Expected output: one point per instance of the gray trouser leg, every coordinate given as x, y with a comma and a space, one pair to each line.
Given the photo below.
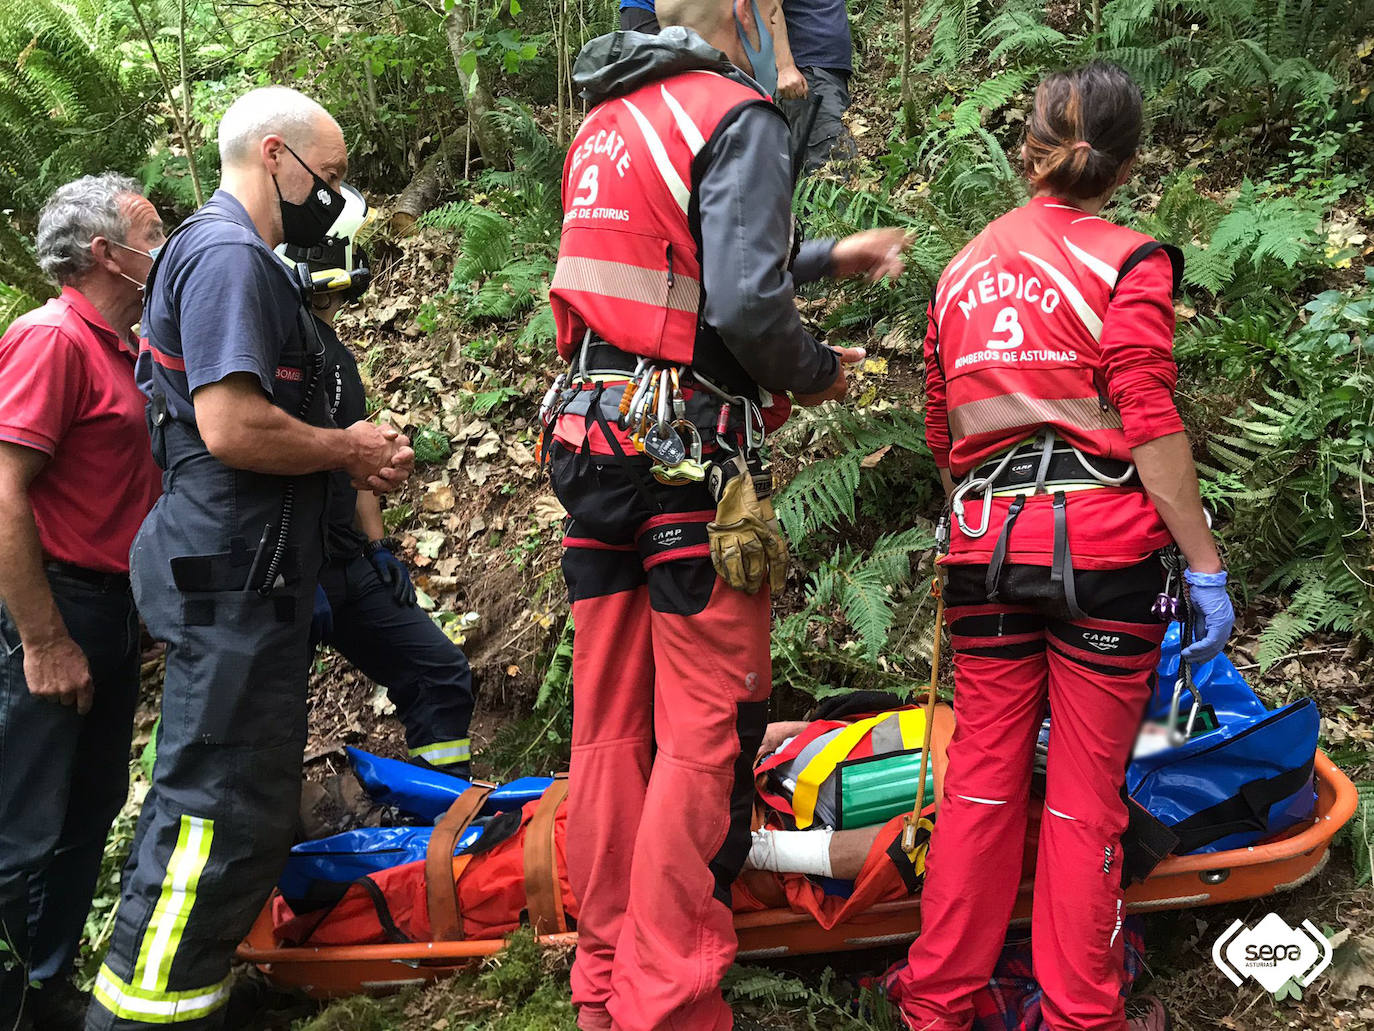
829, 139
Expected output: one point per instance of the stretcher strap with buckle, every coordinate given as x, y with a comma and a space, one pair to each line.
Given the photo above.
543, 890
442, 870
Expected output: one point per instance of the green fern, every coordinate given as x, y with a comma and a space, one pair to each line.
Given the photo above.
955, 35
1280, 228
556, 687
1290, 468
757, 985
1359, 833
1315, 605
823, 493
860, 584
991, 94
508, 242
62, 67
1019, 31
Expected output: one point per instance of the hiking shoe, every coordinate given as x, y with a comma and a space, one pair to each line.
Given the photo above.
1155, 1018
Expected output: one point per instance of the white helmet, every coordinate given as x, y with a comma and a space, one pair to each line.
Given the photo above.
336, 263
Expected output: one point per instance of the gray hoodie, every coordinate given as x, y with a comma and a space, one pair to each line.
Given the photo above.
743, 202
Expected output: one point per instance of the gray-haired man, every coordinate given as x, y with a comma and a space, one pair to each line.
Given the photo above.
224, 568
76, 480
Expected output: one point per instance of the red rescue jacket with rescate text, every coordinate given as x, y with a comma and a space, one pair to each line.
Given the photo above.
629, 266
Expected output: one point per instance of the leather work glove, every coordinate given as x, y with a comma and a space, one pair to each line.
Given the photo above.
322, 619
394, 574
1213, 615
746, 541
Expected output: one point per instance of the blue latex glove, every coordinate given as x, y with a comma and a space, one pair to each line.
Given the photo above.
322, 620
1213, 615
393, 572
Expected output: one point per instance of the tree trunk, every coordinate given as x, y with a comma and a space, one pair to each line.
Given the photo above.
425, 188
491, 143
908, 104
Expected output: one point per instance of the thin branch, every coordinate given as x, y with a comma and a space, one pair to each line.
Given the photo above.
172, 101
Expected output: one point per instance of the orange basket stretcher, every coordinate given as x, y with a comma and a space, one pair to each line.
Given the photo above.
1179, 882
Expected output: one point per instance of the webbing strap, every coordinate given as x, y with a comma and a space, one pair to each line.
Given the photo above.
823, 764
1061, 568
543, 891
442, 870
999, 553
1246, 810
1046, 454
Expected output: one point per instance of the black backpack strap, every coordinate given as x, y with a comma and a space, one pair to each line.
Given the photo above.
1146, 843
1246, 810
1144, 251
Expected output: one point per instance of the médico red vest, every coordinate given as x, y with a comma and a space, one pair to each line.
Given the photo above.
1019, 315
628, 265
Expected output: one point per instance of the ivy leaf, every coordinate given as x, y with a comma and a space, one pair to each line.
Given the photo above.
1288, 990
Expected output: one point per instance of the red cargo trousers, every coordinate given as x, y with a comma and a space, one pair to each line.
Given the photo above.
1097, 674
671, 676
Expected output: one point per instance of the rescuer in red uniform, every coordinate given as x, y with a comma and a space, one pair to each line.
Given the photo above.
673, 298
1050, 413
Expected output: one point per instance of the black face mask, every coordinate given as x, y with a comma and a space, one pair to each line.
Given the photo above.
305, 225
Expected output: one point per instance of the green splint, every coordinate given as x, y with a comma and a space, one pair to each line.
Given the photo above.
871, 791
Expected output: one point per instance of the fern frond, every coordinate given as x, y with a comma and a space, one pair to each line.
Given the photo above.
988, 95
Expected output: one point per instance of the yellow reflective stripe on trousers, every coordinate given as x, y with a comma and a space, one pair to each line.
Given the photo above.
823, 764
130, 1003
442, 753
162, 936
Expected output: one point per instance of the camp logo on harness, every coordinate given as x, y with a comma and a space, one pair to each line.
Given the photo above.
1272, 953
1102, 642
667, 537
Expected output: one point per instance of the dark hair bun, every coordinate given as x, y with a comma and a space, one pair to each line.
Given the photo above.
1084, 126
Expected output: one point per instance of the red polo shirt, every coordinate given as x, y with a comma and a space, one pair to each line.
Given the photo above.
67, 389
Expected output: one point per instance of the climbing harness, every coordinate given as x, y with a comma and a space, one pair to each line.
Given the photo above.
1035, 467
648, 401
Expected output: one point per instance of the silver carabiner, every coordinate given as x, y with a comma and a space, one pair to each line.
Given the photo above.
665, 402
581, 375
644, 376
956, 506
1176, 736
754, 429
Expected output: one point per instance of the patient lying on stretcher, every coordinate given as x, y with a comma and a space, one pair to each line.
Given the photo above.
493, 876
826, 850
831, 799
